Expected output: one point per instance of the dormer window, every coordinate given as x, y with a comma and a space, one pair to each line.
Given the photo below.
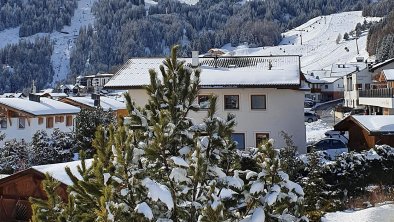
3, 123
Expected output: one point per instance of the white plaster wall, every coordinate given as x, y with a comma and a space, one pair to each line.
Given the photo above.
380, 102
14, 132
285, 112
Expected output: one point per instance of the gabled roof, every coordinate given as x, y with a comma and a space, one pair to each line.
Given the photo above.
58, 171
376, 66
46, 106
388, 74
243, 71
105, 102
374, 124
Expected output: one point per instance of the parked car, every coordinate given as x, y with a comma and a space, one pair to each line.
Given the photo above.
355, 112
341, 135
308, 103
333, 147
311, 117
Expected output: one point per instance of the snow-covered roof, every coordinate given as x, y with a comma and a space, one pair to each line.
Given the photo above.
331, 79
105, 102
375, 123
58, 172
52, 94
225, 71
100, 75
389, 74
378, 65
46, 106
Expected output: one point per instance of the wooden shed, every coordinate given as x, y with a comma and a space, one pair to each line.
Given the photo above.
367, 131
15, 191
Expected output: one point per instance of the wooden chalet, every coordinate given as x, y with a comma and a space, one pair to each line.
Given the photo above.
15, 191
367, 131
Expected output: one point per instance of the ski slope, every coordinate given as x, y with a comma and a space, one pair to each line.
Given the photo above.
319, 49
63, 41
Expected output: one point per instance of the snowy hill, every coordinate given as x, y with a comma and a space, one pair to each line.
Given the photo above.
63, 41
319, 48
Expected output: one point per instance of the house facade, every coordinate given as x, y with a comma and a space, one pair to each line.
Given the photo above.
22, 118
372, 88
263, 92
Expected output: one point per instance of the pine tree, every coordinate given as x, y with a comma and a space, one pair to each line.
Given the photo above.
87, 122
346, 36
49, 209
42, 152
315, 188
270, 194
14, 156
63, 145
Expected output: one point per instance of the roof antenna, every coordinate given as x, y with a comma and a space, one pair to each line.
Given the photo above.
33, 88
269, 65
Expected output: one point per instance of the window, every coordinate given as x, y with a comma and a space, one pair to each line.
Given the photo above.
3, 123
22, 123
50, 122
40, 120
367, 86
239, 138
59, 119
258, 102
337, 144
359, 86
69, 120
231, 102
326, 86
261, 138
203, 101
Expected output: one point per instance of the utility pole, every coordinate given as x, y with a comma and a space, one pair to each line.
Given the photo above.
358, 52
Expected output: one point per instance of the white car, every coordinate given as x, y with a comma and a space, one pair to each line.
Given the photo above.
333, 147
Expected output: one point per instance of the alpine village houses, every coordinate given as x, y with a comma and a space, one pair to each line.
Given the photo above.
264, 92
22, 118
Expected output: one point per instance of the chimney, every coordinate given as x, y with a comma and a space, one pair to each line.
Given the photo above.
96, 99
33, 88
195, 60
34, 98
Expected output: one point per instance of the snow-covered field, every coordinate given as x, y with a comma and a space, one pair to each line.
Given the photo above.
383, 213
319, 49
63, 41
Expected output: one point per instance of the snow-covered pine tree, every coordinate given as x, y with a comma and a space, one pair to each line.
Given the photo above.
41, 150
269, 194
63, 145
315, 188
14, 156
87, 122
290, 162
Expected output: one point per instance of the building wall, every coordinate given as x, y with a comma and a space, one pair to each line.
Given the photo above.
351, 90
285, 112
14, 132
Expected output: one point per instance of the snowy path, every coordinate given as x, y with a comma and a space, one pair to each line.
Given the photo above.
319, 49
383, 213
63, 41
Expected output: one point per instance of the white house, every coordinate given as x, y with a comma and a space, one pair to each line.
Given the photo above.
329, 84
264, 93
22, 118
94, 82
371, 88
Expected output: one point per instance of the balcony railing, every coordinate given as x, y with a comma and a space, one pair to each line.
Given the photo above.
377, 93
315, 90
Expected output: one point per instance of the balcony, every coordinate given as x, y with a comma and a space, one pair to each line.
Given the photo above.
377, 93
377, 97
315, 90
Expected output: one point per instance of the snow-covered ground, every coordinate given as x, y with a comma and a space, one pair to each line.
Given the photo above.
319, 49
315, 130
63, 41
383, 213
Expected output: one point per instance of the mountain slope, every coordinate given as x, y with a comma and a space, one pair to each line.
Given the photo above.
319, 48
